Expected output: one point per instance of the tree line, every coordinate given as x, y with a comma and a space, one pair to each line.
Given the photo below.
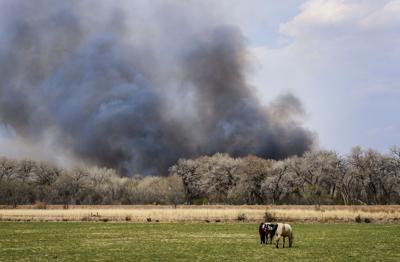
316, 177
29, 182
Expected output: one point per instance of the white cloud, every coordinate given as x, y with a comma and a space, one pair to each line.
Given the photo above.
342, 60
340, 17
318, 15
386, 17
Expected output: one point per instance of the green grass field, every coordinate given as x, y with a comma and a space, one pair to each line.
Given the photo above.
84, 241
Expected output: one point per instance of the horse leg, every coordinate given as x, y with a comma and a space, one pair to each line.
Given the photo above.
290, 241
262, 238
284, 242
277, 241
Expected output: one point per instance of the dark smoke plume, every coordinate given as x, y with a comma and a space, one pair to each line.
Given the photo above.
135, 85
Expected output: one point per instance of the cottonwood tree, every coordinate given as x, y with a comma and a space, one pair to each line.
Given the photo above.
43, 177
191, 174
175, 192
277, 183
319, 172
220, 171
376, 176
247, 187
7, 169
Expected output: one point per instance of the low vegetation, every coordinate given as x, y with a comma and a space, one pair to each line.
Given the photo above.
187, 242
210, 213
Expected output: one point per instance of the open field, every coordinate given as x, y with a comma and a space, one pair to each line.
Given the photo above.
209, 213
88, 241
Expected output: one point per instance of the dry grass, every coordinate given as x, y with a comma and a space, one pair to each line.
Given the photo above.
211, 213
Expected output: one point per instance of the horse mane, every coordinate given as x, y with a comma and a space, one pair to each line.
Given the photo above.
274, 228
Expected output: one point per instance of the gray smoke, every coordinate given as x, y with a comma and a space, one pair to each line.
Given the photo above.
136, 85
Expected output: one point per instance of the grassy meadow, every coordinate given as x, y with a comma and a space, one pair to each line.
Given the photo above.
99, 241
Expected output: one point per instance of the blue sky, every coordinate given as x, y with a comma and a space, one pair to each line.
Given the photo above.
341, 58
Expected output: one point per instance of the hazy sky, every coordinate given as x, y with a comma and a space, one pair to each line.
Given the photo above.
341, 58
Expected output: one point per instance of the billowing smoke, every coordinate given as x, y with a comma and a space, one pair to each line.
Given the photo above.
136, 85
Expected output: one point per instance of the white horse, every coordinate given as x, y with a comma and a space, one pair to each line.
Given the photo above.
281, 230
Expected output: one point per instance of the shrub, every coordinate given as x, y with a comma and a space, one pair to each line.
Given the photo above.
269, 216
358, 219
201, 201
128, 218
40, 205
319, 208
148, 219
241, 217
86, 218
367, 220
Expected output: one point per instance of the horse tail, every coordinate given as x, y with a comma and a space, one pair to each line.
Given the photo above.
291, 238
